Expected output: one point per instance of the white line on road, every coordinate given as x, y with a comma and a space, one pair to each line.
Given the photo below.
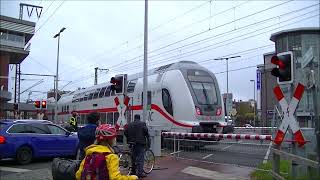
205, 173
229, 146
10, 169
266, 157
209, 155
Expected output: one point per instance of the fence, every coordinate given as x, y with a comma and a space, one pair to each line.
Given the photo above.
238, 149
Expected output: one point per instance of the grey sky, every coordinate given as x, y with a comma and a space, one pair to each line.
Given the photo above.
109, 34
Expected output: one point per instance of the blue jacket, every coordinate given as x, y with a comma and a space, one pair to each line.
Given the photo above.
86, 137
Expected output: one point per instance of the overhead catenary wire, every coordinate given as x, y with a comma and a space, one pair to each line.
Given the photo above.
126, 63
152, 29
200, 50
238, 52
294, 22
197, 34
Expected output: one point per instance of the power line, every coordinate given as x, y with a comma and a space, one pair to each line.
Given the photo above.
50, 16
197, 34
200, 50
153, 29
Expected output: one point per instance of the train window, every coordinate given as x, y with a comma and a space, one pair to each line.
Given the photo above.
110, 118
102, 92
107, 93
103, 118
67, 108
81, 99
86, 96
166, 100
96, 93
90, 96
115, 117
205, 93
131, 86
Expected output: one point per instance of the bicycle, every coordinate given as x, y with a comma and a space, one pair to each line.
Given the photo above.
125, 157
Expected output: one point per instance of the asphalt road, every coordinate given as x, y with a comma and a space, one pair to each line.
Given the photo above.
243, 153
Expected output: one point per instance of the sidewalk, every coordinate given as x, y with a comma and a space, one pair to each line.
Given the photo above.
166, 168
171, 168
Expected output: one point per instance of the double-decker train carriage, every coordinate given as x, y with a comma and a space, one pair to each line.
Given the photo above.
182, 96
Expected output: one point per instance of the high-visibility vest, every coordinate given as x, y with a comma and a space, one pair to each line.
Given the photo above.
72, 121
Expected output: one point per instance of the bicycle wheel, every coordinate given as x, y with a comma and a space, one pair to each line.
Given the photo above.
125, 163
149, 161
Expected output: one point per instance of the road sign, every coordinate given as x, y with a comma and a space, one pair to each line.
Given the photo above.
288, 118
258, 80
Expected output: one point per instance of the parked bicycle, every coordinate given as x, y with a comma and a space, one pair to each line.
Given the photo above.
126, 160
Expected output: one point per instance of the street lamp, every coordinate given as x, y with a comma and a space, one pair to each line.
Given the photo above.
254, 101
227, 62
57, 77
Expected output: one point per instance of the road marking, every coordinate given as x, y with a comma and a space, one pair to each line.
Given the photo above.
204, 173
10, 169
266, 157
209, 155
229, 146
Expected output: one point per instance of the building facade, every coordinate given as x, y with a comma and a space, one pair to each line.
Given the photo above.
268, 82
14, 36
305, 45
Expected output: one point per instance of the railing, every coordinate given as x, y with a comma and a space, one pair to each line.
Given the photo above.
296, 160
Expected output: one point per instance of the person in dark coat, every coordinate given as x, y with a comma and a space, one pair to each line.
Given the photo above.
86, 134
138, 135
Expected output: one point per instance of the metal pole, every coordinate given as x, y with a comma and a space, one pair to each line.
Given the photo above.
145, 62
56, 88
254, 103
227, 99
95, 75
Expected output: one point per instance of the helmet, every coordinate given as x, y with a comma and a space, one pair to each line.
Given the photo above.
105, 132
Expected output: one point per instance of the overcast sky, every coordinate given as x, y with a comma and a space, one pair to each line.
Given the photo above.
109, 34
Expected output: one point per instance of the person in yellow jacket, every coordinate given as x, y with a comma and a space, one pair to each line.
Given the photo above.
102, 151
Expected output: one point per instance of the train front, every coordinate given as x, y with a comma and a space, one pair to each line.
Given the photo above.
208, 103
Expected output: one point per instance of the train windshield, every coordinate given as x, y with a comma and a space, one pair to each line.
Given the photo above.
205, 93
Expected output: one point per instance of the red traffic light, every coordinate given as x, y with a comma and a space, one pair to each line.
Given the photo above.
275, 60
44, 104
37, 104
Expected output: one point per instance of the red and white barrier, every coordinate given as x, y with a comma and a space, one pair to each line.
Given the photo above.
255, 127
217, 136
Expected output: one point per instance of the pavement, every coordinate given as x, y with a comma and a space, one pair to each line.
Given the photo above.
166, 167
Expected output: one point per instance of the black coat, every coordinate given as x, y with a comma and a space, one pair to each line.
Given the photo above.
137, 132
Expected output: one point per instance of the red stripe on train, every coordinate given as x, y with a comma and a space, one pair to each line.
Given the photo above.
137, 107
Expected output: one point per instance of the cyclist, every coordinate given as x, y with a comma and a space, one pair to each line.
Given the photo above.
100, 161
138, 135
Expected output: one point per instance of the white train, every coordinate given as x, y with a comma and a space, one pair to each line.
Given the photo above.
183, 96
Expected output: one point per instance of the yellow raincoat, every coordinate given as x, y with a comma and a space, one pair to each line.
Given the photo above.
112, 162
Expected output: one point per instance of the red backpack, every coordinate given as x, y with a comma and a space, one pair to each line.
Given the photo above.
95, 168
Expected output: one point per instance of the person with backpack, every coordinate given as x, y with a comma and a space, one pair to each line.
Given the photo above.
100, 161
86, 134
138, 136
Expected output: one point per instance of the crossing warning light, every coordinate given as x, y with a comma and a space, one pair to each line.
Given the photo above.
44, 104
37, 104
118, 82
284, 69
